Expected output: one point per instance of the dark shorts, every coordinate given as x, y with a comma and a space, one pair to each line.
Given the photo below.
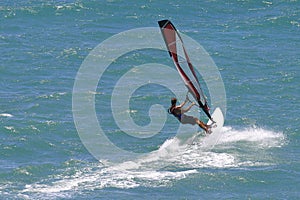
185, 119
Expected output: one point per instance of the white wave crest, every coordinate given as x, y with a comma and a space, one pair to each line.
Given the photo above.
5, 115
173, 161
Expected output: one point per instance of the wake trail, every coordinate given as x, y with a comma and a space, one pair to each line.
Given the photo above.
174, 160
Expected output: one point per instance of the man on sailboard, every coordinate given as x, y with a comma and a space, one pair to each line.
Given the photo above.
178, 112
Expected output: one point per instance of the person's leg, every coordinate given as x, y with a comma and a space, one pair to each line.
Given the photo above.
185, 119
203, 126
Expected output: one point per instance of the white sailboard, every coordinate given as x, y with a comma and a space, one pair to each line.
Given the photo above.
216, 129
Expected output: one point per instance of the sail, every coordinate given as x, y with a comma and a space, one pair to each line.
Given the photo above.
183, 64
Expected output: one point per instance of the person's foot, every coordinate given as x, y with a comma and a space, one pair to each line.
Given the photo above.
205, 127
208, 129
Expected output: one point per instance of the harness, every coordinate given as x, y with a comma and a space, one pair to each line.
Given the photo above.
171, 111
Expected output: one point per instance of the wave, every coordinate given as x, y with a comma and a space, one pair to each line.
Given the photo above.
258, 136
5, 115
173, 161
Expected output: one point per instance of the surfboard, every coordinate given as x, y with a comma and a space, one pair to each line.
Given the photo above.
211, 139
218, 117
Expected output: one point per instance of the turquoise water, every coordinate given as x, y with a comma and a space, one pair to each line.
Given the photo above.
255, 46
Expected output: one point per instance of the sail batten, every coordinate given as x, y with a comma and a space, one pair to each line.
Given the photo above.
185, 68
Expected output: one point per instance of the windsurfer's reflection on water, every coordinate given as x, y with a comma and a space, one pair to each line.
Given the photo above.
179, 113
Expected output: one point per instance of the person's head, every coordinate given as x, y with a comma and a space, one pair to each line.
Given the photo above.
173, 101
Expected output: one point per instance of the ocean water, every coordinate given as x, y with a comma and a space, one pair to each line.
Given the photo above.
254, 44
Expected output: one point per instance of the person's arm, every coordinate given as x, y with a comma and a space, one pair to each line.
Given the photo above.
188, 108
181, 105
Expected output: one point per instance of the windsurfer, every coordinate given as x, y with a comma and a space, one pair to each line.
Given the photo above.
178, 112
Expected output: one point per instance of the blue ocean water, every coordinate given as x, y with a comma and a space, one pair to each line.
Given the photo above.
255, 46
